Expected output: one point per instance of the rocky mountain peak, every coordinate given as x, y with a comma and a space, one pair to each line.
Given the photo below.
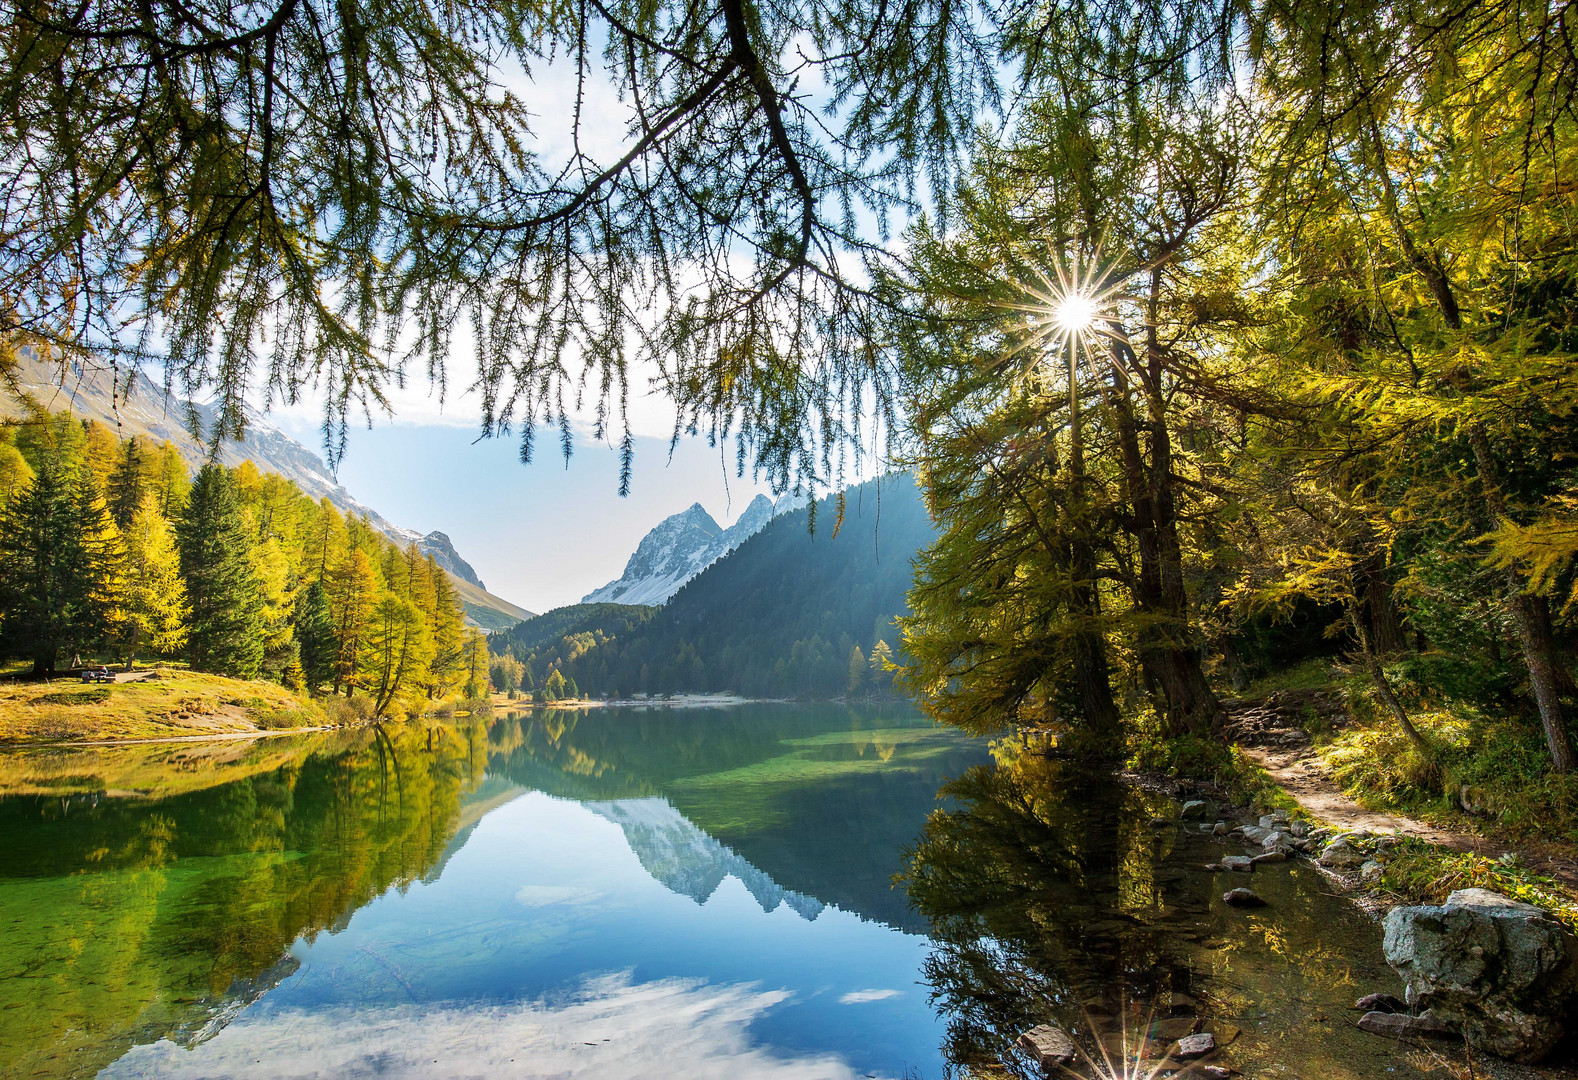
679, 548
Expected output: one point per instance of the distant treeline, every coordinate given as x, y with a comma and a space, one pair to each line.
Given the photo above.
792, 612
109, 548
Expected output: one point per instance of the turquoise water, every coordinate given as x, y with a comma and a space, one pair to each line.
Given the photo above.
641, 893
678, 893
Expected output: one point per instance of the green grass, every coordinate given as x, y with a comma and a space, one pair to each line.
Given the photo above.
172, 704
1198, 758
1312, 674
1423, 873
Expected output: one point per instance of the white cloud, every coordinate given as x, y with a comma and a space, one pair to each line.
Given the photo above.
679, 1028
861, 997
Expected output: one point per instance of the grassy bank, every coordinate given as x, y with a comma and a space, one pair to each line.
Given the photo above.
167, 703
1481, 775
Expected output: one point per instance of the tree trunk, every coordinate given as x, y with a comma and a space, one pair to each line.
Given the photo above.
1539, 651
1386, 626
1383, 685
1169, 658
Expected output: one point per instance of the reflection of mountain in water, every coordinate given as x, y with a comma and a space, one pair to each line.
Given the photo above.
819, 801
687, 861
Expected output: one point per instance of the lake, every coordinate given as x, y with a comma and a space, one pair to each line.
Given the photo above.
636, 893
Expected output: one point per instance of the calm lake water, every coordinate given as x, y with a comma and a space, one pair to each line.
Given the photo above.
634, 893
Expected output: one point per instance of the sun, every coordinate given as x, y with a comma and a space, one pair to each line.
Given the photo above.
1076, 312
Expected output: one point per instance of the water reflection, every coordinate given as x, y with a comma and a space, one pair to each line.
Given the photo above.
1052, 897
483, 886
125, 920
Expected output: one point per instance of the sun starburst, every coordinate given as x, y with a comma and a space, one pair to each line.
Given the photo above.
1066, 310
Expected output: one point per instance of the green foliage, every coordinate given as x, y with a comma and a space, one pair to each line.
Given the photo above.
225, 631
55, 568
1496, 765
1422, 873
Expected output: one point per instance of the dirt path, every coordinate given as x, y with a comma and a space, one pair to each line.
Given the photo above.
1269, 732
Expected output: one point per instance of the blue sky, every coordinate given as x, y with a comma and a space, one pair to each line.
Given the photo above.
540, 535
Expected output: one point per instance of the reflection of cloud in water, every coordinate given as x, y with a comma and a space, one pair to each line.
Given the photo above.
669, 1028
546, 895
861, 997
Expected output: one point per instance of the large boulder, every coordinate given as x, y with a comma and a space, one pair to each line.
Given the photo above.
1504, 973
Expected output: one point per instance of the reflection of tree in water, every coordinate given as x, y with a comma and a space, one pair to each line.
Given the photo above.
147, 914
1043, 895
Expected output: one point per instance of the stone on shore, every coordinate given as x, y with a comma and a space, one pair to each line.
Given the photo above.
1341, 855
1197, 810
1390, 1003
1403, 1026
1502, 972
1195, 1046
1242, 863
1270, 857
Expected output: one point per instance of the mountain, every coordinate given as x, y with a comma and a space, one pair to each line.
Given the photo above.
779, 616
133, 405
678, 549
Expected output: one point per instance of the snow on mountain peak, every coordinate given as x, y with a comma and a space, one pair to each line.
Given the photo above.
679, 548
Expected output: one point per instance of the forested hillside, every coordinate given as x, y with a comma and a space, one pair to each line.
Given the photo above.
109, 550
791, 612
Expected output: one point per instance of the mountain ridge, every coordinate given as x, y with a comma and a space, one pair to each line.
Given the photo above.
133, 405
675, 550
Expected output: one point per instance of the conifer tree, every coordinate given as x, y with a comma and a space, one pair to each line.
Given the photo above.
15, 472
476, 646
168, 478
127, 482
46, 572
224, 630
154, 610
396, 653
857, 669
315, 633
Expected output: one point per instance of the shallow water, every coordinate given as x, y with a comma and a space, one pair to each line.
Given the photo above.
685, 893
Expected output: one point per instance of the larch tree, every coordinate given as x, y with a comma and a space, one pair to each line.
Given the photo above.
396, 652
353, 591
154, 609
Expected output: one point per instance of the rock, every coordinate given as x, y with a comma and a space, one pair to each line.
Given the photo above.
1176, 1027
1213, 1072
1195, 1046
1242, 898
1220, 829
1049, 1045
1214, 868
1270, 857
1277, 841
1180, 1001
1299, 829
1370, 872
1403, 1026
1197, 809
1502, 972
1388, 1003
1241, 863
1340, 855
1254, 834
